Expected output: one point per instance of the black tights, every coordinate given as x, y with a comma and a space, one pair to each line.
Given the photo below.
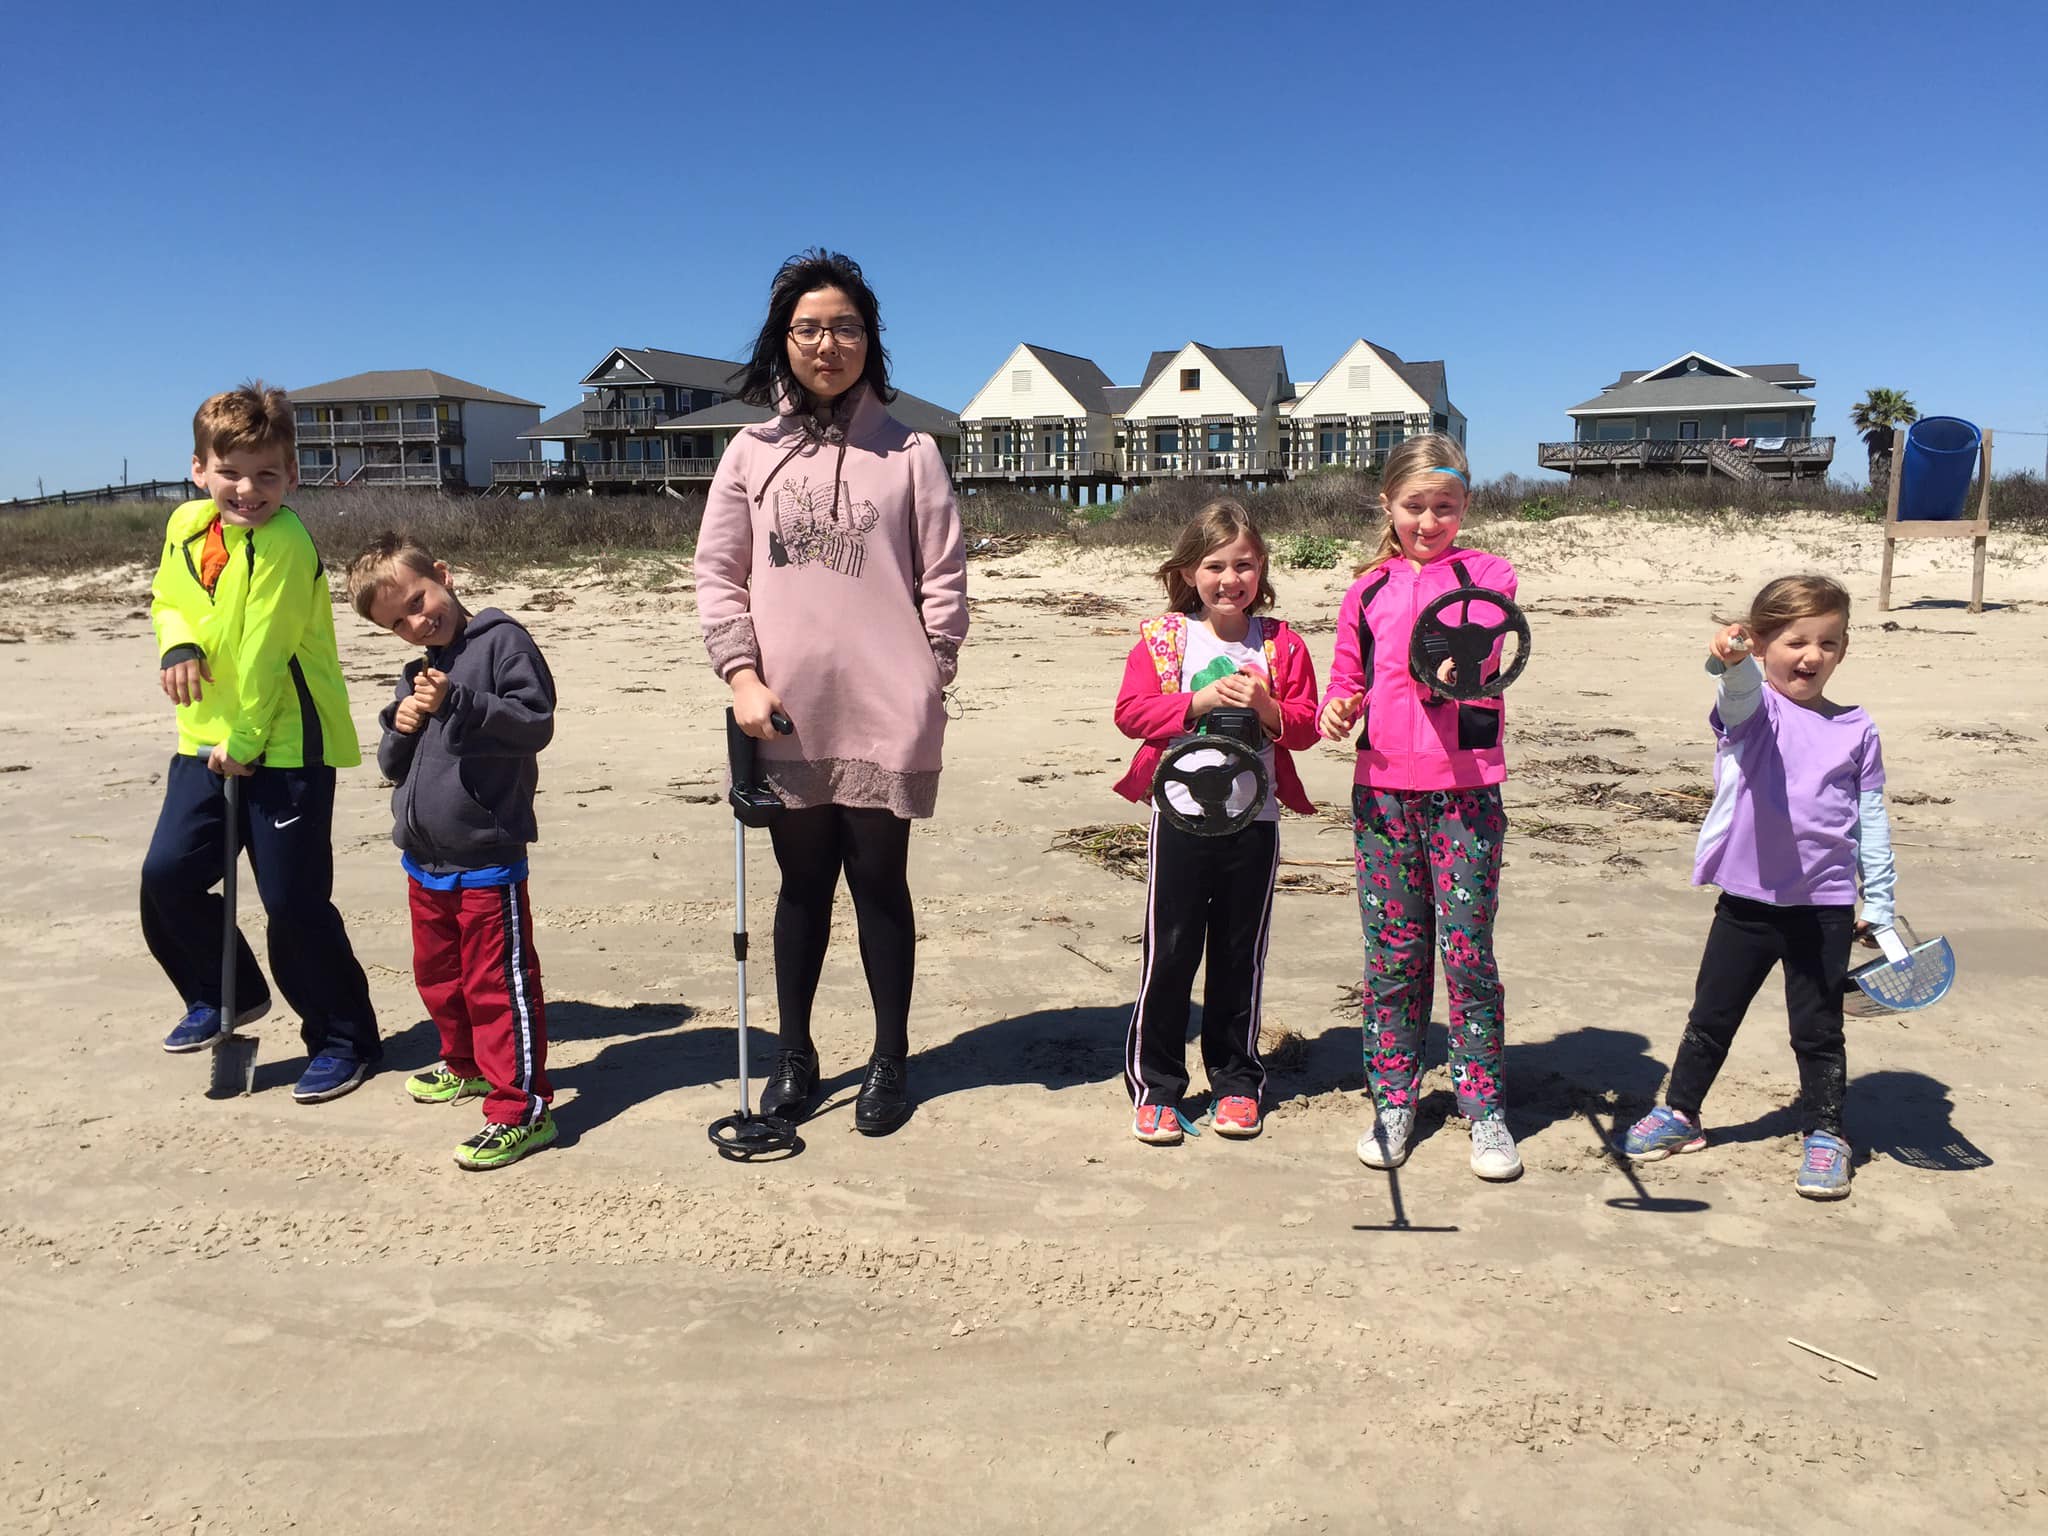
873, 846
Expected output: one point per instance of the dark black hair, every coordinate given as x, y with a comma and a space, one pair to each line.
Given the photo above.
766, 379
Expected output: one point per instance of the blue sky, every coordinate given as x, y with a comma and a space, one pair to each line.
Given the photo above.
1540, 195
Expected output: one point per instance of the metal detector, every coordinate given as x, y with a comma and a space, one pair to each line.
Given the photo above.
1207, 766
1467, 645
746, 1135
233, 1071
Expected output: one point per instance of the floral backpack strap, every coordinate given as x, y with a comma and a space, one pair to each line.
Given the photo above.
1167, 636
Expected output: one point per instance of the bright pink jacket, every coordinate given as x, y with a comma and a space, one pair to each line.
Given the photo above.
1151, 704
1409, 738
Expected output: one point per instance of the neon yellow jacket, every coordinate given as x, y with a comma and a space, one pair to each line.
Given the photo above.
267, 633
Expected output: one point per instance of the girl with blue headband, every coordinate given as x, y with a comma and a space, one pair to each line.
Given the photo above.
1426, 812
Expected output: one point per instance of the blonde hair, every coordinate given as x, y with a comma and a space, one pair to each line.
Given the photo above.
380, 561
254, 417
1413, 459
1791, 598
1220, 522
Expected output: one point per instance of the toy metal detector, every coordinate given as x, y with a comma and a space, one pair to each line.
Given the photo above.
1400, 1223
1911, 975
747, 1135
1209, 768
1467, 645
233, 1071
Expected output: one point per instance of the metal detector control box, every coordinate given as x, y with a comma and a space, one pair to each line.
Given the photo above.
754, 804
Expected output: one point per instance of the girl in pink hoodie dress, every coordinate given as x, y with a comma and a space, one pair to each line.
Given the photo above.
1426, 812
832, 589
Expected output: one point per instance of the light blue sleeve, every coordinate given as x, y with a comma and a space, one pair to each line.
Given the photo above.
1874, 858
1740, 691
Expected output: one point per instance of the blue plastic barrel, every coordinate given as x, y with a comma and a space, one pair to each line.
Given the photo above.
1941, 459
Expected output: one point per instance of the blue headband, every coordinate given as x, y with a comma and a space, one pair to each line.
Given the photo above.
1445, 469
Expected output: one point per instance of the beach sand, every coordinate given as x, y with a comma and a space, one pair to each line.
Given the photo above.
253, 1316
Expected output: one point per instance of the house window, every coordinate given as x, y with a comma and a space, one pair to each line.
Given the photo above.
1330, 445
1386, 436
1190, 379
1764, 426
423, 413
304, 415
1688, 431
1020, 381
1439, 423
1222, 439
1361, 375
1623, 431
316, 458
1166, 439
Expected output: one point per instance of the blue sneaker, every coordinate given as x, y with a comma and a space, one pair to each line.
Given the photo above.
1824, 1169
201, 1023
1663, 1132
328, 1076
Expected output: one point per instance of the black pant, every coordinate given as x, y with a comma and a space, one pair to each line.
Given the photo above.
873, 846
1747, 939
1213, 893
287, 817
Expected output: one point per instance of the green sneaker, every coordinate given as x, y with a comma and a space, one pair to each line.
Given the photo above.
497, 1145
440, 1086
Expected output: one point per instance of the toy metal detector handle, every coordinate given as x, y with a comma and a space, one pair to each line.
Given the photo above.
1229, 732
752, 801
1467, 646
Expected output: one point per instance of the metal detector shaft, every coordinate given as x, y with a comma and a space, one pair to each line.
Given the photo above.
739, 951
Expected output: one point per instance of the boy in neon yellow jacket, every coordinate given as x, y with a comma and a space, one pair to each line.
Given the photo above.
245, 644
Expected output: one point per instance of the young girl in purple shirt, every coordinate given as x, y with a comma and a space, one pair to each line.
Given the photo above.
1796, 833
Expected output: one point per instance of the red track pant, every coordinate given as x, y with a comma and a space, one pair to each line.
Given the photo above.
473, 960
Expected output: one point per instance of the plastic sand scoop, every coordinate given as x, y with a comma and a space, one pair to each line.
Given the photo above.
1909, 975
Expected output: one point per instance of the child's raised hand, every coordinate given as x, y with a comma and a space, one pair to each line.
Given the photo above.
181, 682
1729, 645
430, 687
1340, 715
412, 714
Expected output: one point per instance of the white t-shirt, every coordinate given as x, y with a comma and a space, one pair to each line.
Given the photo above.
1206, 659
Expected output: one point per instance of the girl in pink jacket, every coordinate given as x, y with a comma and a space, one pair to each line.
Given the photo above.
1426, 812
1215, 648
832, 589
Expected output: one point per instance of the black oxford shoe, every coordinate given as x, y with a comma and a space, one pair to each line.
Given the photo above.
789, 1092
882, 1104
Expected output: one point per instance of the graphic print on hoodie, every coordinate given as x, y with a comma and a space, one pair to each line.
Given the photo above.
822, 524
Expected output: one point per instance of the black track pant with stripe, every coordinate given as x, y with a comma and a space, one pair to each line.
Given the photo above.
1212, 894
287, 828
474, 963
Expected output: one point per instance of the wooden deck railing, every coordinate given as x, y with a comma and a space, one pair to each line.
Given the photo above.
987, 465
1663, 450
408, 430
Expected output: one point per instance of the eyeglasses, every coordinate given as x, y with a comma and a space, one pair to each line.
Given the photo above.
808, 333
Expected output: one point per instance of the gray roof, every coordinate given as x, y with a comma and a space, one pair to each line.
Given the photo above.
1790, 374
403, 384
1078, 376
1118, 397
1694, 391
918, 414
562, 428
684, 369
1251, 369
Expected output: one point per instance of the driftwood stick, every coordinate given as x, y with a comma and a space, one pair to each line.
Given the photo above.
1814, 1349
1090, 959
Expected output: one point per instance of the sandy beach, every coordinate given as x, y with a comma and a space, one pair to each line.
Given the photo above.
252, 1316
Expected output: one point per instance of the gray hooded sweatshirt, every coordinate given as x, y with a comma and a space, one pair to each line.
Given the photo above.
464, 782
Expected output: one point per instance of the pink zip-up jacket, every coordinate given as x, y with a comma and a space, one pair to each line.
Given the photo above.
836, 569
1151, 704
1410, 738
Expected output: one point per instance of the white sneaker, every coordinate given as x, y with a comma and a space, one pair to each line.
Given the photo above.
1493, 1151
1386, 1144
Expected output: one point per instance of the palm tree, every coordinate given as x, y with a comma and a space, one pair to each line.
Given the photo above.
1874, 416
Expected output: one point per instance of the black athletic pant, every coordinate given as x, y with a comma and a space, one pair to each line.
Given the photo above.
873, 847
287, 818
1747, 939
1213, 894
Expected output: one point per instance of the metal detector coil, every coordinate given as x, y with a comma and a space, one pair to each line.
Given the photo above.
754, 804
1468, 646
1209, 766
1910, 975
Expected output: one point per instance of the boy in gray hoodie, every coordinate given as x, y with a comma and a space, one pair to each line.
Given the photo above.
461, 738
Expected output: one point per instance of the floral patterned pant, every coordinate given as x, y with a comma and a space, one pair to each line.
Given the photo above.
1429, 867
